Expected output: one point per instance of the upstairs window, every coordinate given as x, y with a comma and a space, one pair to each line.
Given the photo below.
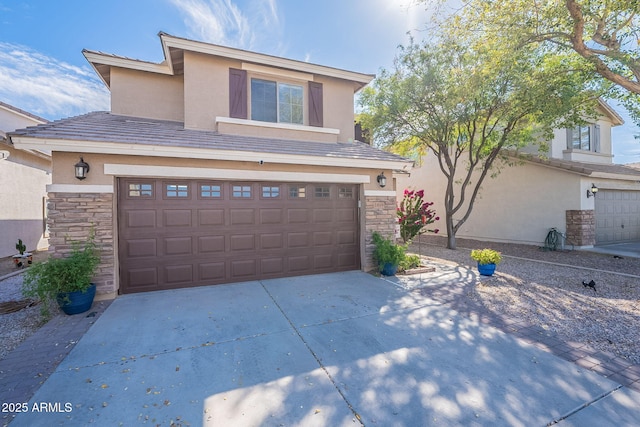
586, 138
276, 102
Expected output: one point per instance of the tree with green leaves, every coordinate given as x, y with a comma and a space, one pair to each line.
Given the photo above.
603, 36
471, 105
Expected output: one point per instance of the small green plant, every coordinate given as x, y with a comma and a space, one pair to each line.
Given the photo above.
387, 252
47, 279
410, 261
21, 247
486, 256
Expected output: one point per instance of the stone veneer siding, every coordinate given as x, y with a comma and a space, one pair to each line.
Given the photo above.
380, 216
581, 227
71, 217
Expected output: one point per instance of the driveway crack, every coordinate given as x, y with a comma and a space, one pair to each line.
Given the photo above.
315, 356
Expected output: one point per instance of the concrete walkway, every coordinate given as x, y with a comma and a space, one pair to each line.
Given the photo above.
327, 350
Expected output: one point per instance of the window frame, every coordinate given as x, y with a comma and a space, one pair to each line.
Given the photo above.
278, 83
592, 131
210, 190
242, 184
178, 184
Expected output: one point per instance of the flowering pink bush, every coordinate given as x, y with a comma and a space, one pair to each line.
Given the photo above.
414, 215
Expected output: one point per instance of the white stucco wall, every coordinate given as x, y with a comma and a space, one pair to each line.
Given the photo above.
520, 205
24, 177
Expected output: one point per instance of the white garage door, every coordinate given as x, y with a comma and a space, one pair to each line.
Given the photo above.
617, 216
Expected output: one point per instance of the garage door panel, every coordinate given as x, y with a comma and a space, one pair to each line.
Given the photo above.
271, 241
143, 277
177, 218
181, 273
242, 216
141, 248
298, 240
346, 215
298, 216
243, 242
223, 232
299, 263
207, 217
347, 260
178, 245
270, 216
271, 266
322, 215
323, 238
212, 271
323, 261
243, 268
209, 244
141, 219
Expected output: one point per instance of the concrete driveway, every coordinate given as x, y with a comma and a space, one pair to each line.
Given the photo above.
341, 349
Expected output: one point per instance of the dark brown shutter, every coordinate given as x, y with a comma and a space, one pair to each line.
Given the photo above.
315, 104
238, 94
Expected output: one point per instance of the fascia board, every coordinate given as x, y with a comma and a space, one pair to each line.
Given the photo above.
75, 146
117, 169
605, 175
116, 61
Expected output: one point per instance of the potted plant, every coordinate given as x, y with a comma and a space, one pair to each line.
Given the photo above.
66, 280
387, 254
487, 260
22, 258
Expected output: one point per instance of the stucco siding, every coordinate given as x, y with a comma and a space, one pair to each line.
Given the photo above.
520, 205
143, 94
22, 203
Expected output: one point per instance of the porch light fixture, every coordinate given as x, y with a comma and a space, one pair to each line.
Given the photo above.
591, 192
382, 180
82, 168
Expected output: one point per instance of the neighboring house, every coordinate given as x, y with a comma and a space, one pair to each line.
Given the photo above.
24, 176
217, 165
525, 201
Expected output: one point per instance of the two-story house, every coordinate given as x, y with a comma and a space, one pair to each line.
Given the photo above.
24, 175
554, 190
217, 165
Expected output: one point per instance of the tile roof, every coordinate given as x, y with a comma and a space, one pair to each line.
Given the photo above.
24, 113
585, 168
106, 127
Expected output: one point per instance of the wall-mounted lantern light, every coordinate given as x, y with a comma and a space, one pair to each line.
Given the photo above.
382, 180
591, 192
82, 168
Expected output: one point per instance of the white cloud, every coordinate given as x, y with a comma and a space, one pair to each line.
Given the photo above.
256, 27
47, 87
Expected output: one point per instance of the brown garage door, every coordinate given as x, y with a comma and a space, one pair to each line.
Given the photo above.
175, 233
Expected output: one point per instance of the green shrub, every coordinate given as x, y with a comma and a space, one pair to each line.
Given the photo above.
386, 251
410, 261
46, 279
486, 256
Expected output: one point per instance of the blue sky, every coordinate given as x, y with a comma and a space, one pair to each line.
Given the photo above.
42, 69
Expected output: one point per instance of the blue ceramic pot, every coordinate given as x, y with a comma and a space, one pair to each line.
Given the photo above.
486, 269
389, 269
77, 302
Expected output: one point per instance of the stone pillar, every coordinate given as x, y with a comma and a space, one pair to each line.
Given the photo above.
581, 227
71, 217
380, 216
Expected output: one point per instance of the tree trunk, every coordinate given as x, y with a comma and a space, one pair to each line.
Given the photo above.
451, 233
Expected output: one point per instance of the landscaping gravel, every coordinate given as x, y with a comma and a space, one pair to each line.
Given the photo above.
16, 327
544, 288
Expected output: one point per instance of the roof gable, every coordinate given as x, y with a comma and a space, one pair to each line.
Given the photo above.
174, 47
